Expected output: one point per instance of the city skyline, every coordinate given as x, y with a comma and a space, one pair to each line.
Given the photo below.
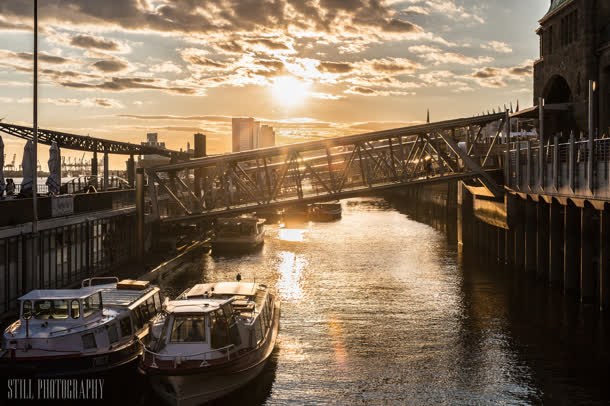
118, 70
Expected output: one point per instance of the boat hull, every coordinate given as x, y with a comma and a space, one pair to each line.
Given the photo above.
66, 365
209, 383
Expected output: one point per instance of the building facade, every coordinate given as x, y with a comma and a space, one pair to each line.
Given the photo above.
267, 137
249, 134
575, 48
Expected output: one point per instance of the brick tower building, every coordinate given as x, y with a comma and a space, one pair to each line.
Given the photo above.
575, 48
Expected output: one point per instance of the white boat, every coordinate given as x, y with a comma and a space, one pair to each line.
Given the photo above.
73, 331
238, 233
213, 339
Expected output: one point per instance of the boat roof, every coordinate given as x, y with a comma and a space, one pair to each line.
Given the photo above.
57, 294
111, 296
195, 305
224, 288
123, 297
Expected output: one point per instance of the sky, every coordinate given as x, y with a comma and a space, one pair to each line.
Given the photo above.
312, 69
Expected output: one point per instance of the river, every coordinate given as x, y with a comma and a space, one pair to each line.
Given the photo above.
378, 308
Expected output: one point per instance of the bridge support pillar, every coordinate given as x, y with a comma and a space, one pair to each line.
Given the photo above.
501, 244
519, 236
571, 249
94, 169
200, 152
131, 171
106, 171
530, 236
543, 239
140, 213
604, 260
556, 222
465, 217
588, 241
509, 252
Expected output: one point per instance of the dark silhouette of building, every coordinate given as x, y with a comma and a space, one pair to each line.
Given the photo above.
575, 48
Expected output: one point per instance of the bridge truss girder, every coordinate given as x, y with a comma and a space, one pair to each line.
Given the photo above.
86, 143
326, 170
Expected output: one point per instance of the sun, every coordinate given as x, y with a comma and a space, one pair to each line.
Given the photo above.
289, 91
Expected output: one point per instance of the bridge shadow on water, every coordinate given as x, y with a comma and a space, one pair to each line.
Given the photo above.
561, 348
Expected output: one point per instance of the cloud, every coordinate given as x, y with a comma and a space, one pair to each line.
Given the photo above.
118, 84
197, 57
91, 42
501, 47
166, 67
43, 57
89, 102
497, 77
335, 67
226, 119
438, 57
110, 65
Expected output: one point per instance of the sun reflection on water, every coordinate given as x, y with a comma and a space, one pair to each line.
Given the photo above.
291, 278
292, 234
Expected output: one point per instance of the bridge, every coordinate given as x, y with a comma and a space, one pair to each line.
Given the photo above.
92, 144
322, 170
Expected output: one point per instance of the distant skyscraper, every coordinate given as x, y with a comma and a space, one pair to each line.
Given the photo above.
248, 134
267, 136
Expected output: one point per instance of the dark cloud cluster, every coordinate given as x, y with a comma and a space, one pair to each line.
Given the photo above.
110, 65
216, 16
121, 84
90, 42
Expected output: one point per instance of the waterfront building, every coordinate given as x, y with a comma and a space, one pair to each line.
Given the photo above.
575, 48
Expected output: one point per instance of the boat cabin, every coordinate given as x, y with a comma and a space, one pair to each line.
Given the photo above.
238, 226
209, 321
65, 305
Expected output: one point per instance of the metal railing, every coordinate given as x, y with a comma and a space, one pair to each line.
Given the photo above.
177, 359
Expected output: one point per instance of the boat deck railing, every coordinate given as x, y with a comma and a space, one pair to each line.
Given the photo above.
177, 359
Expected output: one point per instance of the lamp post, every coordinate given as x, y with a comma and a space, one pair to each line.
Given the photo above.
35, 266
35, 125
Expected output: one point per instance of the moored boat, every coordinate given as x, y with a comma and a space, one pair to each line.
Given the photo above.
238, 234
213, 339
74, 331
325, 211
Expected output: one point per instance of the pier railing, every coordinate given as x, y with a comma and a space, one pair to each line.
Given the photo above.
578, 168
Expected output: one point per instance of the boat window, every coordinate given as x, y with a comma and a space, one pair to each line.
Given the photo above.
125, 326
27, 308
218, 332
150, 302
188, 329
137, 318
157, 302
229, 314
144, 312
92, 304
89, 341
51, 309
74, 309
113, 334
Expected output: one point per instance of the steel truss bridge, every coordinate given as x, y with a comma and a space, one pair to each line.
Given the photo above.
329, 169
86, 143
